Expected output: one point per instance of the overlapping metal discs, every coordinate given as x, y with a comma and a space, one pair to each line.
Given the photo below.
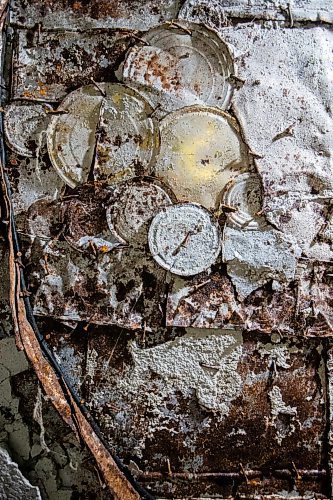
163, 144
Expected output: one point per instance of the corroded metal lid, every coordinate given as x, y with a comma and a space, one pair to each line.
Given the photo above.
43, 220
181, 64
200, 150
243, 194
83, 215
23, 125
133, 204
184, 239
105, 132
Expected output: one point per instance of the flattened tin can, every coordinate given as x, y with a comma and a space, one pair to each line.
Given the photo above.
184, 239
133, 204
180, 64
242, 197
24, 125
201, 150
104, 132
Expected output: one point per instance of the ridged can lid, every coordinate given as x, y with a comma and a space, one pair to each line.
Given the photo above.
184, 239
105, 133
201, 149
244, 195
23, 125
133, 204
180, 64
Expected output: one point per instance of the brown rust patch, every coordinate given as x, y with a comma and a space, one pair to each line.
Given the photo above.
83, 212
206, 301
79, 57
151, 433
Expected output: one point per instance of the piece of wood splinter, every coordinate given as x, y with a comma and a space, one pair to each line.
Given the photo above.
288, 132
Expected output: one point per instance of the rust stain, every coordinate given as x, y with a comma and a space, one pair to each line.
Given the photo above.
181, 374
26, 340
208, 302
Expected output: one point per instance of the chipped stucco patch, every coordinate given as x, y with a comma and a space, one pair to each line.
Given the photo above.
12, 482
253, 258
205, 364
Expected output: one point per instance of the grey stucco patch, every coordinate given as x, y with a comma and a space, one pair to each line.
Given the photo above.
13, 485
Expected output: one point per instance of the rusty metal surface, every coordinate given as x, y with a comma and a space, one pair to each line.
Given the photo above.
83, 15
31, 180
47, 65
212, 383
209, 377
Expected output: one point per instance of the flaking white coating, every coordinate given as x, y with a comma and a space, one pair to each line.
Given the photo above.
204, 364
279, 407
256, 257
216, 13
292, 86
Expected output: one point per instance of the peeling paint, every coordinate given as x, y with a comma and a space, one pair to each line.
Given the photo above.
278, 407
171, 400
255, 258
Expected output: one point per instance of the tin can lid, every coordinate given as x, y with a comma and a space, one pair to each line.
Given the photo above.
201, 149
243, 194
23, 125
43, 220
182, 64
184, 239
105, 132
83, 216
133, 204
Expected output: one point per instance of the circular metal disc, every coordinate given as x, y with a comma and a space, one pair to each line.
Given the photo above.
181, 65
184, 239
133, 204
200, 151
84, 215
244, 194
106, 130
23, 124
43, 219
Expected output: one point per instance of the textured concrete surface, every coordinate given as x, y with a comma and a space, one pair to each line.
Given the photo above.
13, 484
